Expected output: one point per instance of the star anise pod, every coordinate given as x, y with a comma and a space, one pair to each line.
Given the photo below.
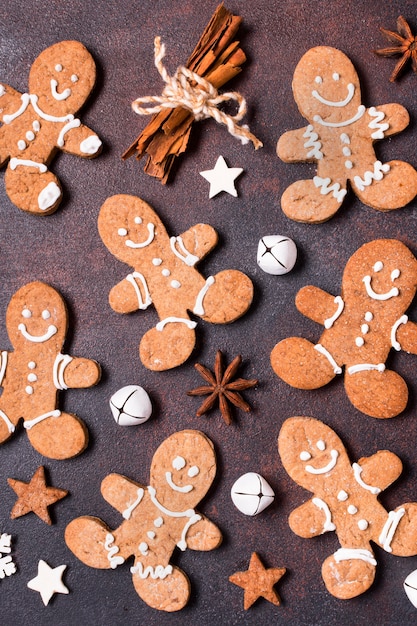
405, 43
222, 387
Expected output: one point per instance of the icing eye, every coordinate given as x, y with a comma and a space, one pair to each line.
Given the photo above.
122, 232
26, 313
378, 266
178, 463
193, 471
305, 456
318, 80
58, 67
138, 220
336, 76
46, 314
321, 445
74, 78
395, 274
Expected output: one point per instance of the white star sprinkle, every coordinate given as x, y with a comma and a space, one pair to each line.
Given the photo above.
48, 581
222, 177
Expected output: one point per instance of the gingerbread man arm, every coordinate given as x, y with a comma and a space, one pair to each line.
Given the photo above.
378, 471
203, 535
195, 243
396, 116
308, 520
297, 145
130, 294
81, 373
406, 337
317, 305
121, 492
81, 141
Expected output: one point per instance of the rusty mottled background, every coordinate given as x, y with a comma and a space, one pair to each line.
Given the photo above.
65, 250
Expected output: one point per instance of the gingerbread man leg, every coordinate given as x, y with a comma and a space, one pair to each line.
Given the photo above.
168, 345
227, 296
346, 569
166, 594
57, 435
397, 187
313, 201
32, 188
376, 393
303, 365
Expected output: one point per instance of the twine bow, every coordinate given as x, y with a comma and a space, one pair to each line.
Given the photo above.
196, 94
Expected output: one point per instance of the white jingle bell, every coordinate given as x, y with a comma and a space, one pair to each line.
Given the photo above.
251, 494
130, 406
276, 254
410, 587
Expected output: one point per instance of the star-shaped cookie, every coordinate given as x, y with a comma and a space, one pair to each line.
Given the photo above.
258, 581
35, 496
48, 581
221, 178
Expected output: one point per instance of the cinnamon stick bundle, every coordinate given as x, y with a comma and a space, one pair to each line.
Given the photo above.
217, 57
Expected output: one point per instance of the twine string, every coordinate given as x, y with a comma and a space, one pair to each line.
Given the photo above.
196, 94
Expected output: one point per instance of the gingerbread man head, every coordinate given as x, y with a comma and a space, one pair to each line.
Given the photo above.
326, 86
36, 315
183, 470
62, 77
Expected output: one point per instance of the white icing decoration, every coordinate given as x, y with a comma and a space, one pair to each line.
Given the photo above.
352, 509
48, 196
131, 278
55, 94
364, 329
21, 144
182, 544
175, 284
328, 323
342, 496
60, 364
355, 118
179, 463
72, 123
198, 307
58, 67
348, 165
321, 445
14, 162
395, 274
336, 368
52, 330
122, 232
193, 471
26, 313
46, 116
7, 119
29, 390
378, 266
30, 135
158, 572
392, 293
184, 489
112, 551
74, 78
163, 509
170, 320
166, 272
370, 175
10, 426
90, 145
305, 456
347, 554
338, 103
32, 378
3, 364
359, 341
336, 76
328, 524
363, 524
158, 522
182, 253
36, 126
131, 244
155, 261
127, 513
327, 468
390, 526
151, 534
2, 90
357, 471
346, 151
376, 123
31, 365
138, 220
366, 367
46, 314
312, 142
396, 344
344, 138
28, 424
143, 548
318, 80
335, 189
369, 316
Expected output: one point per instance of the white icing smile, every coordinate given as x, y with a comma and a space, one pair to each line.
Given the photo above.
131, 244
327, 468
59, 96
394, 291
184, 489
38, 338
338, 103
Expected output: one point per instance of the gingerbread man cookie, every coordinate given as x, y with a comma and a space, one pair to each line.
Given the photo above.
339, 138
32, 374
38, 123
164, 274
361, 326
345, 500
157, 518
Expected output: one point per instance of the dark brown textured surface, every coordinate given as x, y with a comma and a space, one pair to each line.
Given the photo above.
65, 250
